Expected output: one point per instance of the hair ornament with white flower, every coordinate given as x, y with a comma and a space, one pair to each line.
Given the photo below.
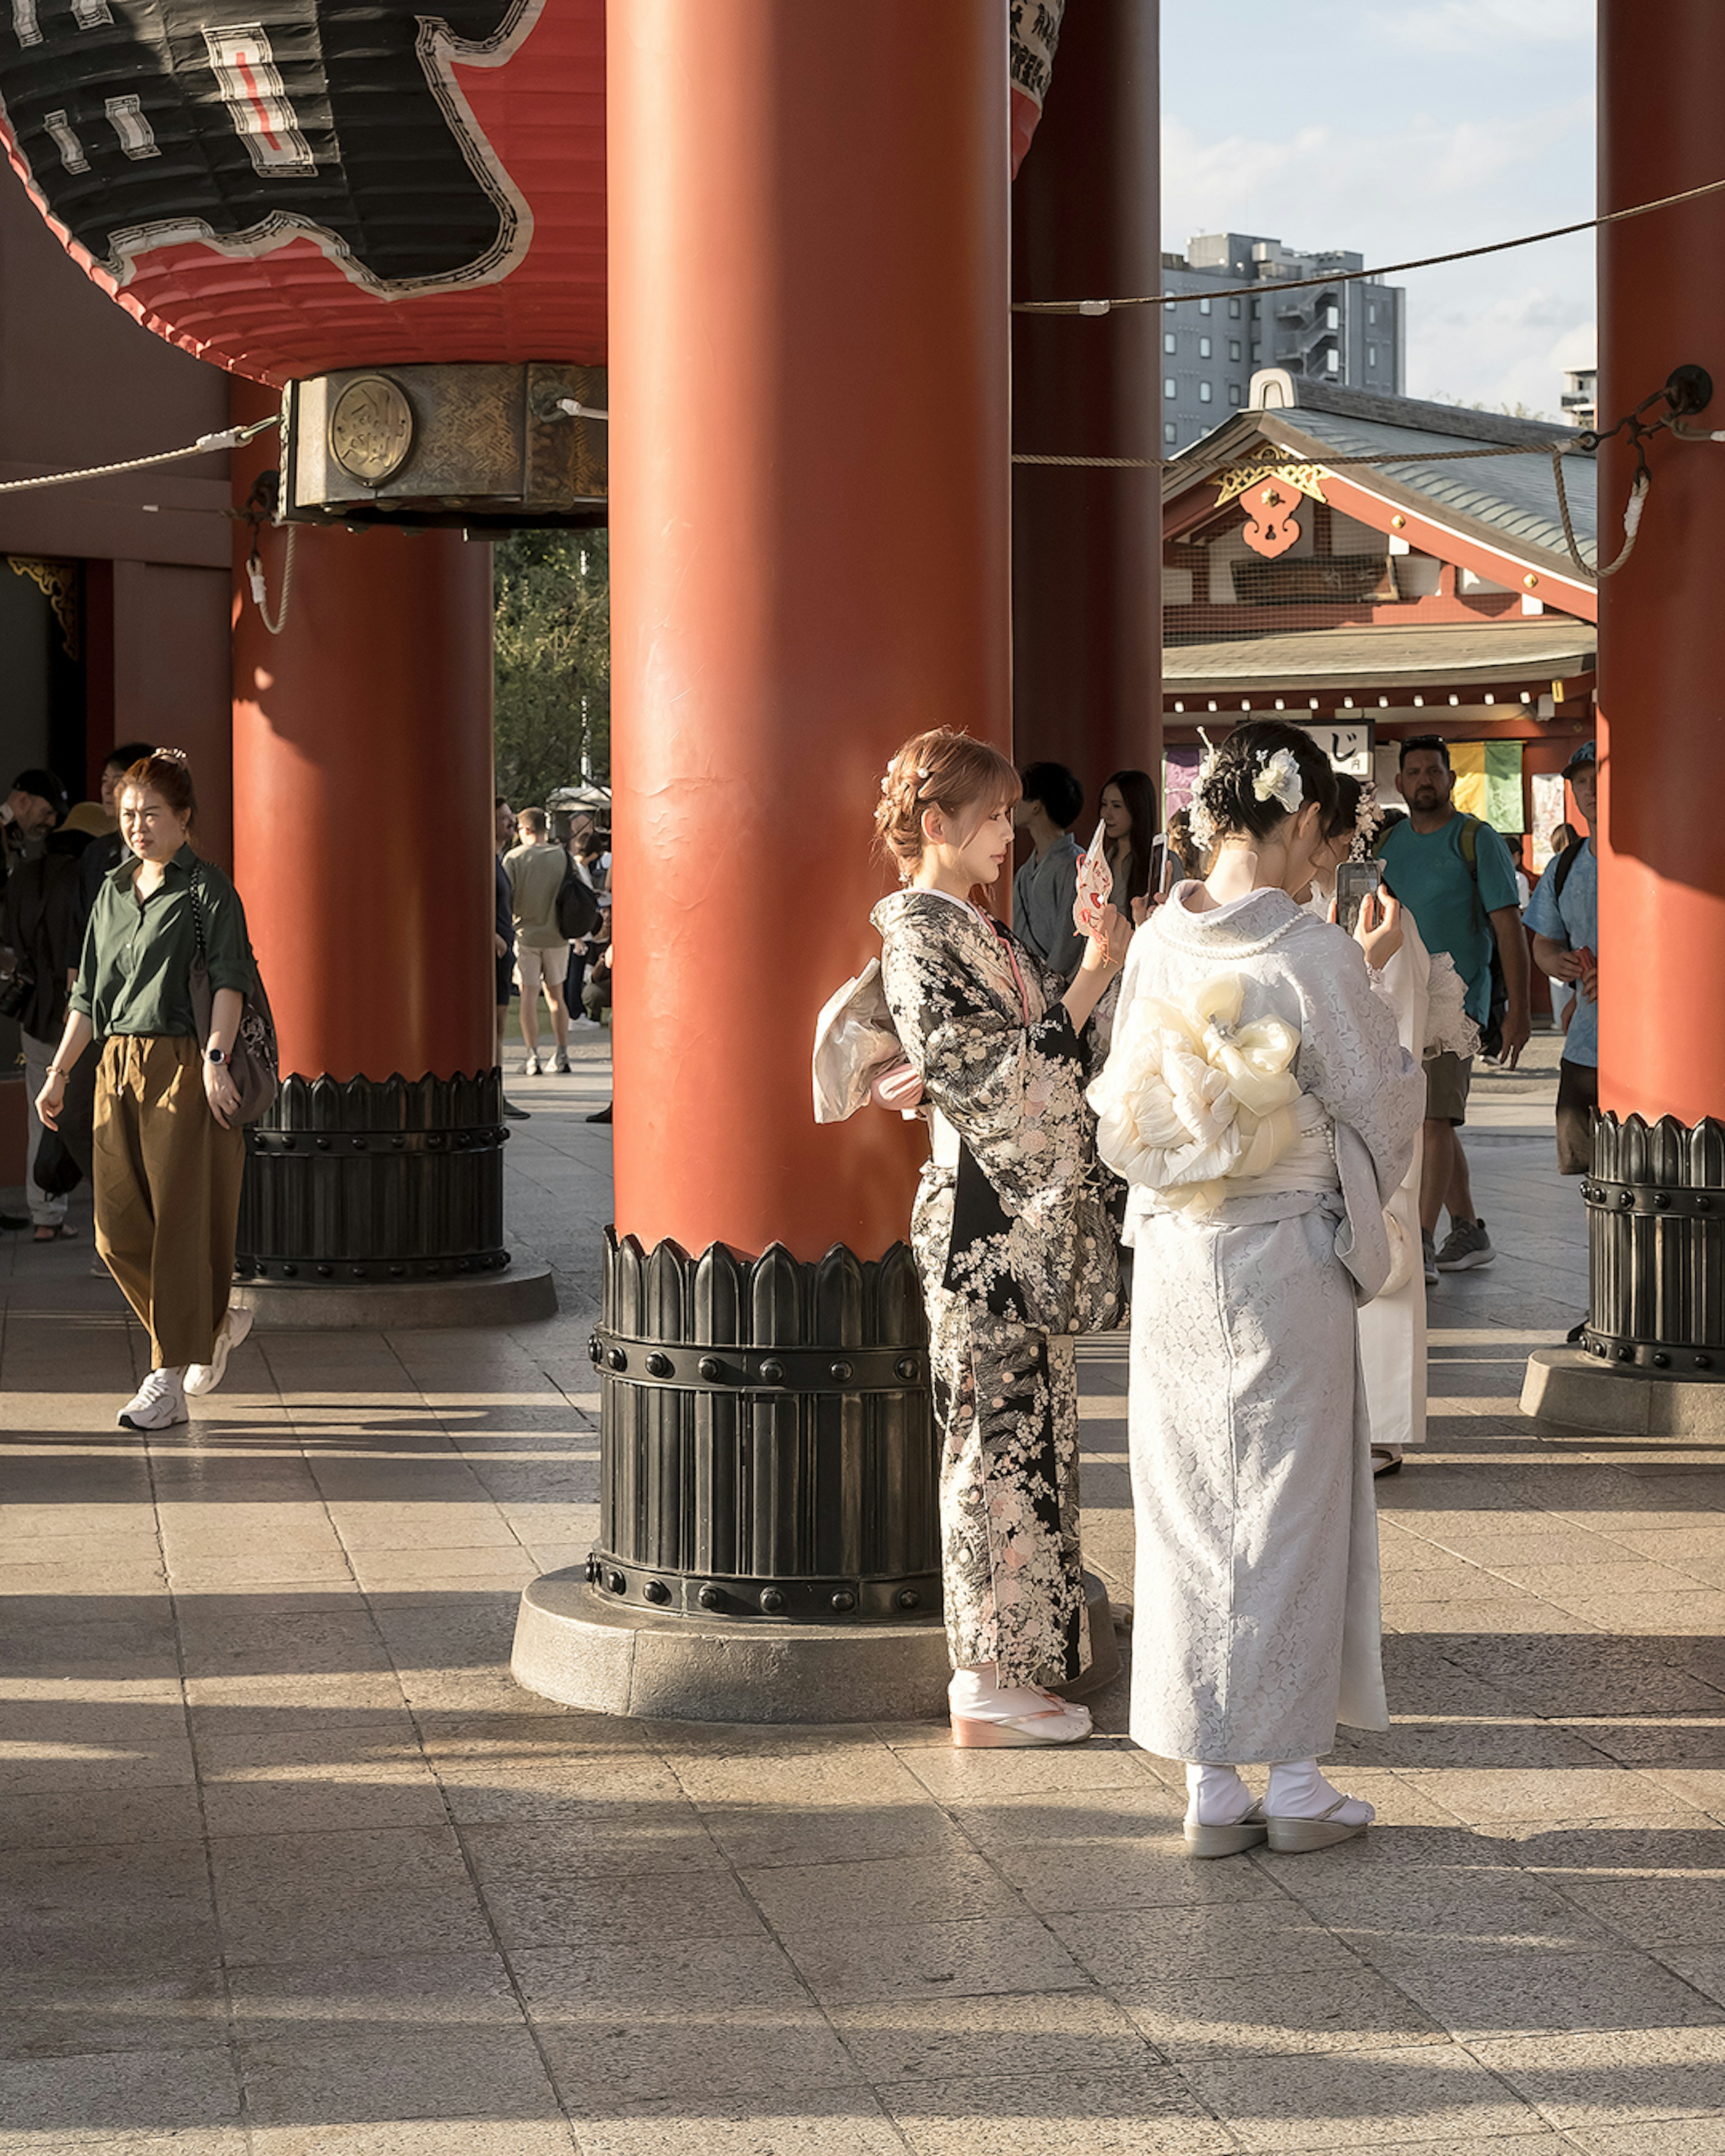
1200, 821
1278, 779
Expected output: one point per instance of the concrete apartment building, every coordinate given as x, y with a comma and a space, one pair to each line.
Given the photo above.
1352, 335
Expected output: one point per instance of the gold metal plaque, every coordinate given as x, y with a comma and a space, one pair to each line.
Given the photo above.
371, 429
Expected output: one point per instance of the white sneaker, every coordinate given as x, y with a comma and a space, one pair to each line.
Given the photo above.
560, 1063
205, 1376
533, 1068
159, 1402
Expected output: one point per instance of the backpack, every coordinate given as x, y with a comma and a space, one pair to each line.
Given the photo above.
577, 909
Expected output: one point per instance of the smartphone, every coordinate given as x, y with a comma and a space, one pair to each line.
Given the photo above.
1353, 880
1158, 886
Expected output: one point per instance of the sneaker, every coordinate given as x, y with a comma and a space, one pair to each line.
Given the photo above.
205, 1376
1466, 1245
560, 1063
159, 1402
514, 1114
533, 1068
1429, 1247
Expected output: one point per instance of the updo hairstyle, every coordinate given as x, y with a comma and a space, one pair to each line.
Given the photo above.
1226, 791
964, 778
1349, 794
165, 773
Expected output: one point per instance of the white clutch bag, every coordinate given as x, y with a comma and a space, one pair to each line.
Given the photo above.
855, 1041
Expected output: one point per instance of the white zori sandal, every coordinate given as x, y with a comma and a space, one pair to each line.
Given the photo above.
987, 1717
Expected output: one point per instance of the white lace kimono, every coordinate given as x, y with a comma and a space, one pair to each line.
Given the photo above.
1257, 1623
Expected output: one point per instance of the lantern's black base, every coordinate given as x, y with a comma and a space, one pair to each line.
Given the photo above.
1574, 1391
519, 1296
583, 1648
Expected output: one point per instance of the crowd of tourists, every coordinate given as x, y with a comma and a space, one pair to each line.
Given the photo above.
1216, 1077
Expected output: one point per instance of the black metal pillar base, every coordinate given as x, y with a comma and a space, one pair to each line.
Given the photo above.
1651, 1361
379, 1203
579, 1645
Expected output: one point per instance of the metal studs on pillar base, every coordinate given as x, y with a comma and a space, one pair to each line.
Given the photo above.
1652, 1357
373, 1203
769, 1546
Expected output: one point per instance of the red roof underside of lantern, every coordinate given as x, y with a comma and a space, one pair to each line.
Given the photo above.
293, 310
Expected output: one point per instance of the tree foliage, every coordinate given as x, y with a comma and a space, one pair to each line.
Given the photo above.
553, 662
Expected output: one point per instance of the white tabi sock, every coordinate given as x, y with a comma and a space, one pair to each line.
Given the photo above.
1216, 1796
1298, 1791
977, 1694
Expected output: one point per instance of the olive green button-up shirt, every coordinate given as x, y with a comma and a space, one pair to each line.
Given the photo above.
136, 975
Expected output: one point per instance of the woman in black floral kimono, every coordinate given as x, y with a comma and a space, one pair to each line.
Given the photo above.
1015, 1250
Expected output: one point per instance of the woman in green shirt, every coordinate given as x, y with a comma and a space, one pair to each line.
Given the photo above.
169, 1152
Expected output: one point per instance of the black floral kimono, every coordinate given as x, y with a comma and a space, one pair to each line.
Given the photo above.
1017, 1255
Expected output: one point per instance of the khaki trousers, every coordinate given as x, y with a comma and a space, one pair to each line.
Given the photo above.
166, 1192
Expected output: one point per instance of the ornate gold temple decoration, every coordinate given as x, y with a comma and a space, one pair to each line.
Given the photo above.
58, 584
1304, 478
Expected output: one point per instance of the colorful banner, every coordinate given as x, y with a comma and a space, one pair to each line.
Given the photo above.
1488, 783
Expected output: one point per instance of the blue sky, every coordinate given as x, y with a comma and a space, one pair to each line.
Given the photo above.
1399, 128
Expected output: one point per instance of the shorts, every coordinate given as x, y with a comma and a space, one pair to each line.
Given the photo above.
1447, 1079
505, 980
1578, 1103
549, 965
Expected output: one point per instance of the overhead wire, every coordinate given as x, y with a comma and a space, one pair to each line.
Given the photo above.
1096, 308
230, 437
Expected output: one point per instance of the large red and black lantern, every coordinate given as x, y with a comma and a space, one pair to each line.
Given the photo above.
294, 186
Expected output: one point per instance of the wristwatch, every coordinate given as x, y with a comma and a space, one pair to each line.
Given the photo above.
215, 1054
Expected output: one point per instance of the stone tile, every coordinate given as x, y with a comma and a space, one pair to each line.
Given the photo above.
1074, 2033
492, 1787
1570, 1793
1331, 2009
842, 2122
63, 1819
976, 1777
1150, 1871
139, 1909
286, 1702
1612, 2078
758, 1835
1392, 1913
490, 1565
1510, 1615
84, 2010
1485, 1994
546, 1907
418, 2136
1498, 1743
433, 2070
328, 1897
672, 2020
1656, 1913
1079, 1818
600, 1840
190, 2140
1124, 1952
105, 2095
1666, 2136
408, 1525
163, 1761
954, 1885
1149, 2111
951, 1960
1427, 2093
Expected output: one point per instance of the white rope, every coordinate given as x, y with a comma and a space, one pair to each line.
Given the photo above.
1631, 521
254, 572
232, 438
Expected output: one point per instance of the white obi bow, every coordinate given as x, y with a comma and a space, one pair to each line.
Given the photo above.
1191, 1100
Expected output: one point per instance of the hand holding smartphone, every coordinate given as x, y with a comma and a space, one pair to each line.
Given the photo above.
1354, 881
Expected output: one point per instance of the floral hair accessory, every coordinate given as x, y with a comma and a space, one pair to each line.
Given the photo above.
1278, 778
173, 755
1368, 822
1200, 821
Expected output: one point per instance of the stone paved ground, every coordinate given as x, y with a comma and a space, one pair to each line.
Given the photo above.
291, 1868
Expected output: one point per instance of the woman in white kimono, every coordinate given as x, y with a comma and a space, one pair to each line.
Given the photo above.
1015, 1252
1262, 1109
1427, 995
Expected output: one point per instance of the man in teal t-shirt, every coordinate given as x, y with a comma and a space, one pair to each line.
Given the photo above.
1464, 906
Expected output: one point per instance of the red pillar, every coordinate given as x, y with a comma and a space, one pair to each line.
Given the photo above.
808, 364
362, 793
1087, 542
1661, 633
